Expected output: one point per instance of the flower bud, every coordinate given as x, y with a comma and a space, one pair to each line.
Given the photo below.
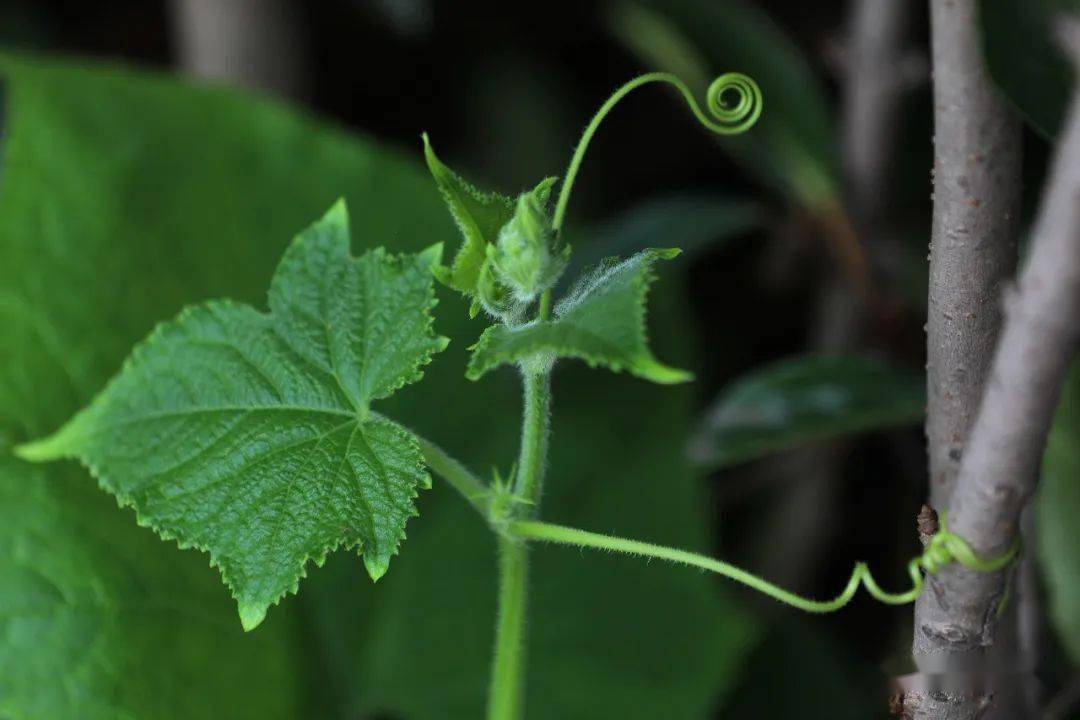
524, 257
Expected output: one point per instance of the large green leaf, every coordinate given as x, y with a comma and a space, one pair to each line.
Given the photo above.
249, 435
802, 399
98, 240
1025, 59
100, 620
1058, 507
601, 320
124, 198
793, 146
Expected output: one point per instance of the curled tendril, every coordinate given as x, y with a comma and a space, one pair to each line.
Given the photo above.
738, 116
944, 548
725, 116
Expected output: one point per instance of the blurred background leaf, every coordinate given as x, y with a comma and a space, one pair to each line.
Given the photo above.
1026, 60
1058, 509
115, 214
693, 223
100, 619
795, 401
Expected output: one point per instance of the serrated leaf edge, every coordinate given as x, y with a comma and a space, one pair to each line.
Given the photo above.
57, 444
646, 366
251, 613
473, 240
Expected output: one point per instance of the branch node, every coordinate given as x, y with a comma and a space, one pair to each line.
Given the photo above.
927, 522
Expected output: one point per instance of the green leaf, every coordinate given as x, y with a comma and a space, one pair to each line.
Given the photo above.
793, 146
802, 399
479, 216
124, 196
194, 195
508, 255
100, 620
1058, 506
601, 321
249, 435
1026, 61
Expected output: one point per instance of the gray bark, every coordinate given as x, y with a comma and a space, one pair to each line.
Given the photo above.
977, 186
955, 618
973, 238
872, 91
251, 43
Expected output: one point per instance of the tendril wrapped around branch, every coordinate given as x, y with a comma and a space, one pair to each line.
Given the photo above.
943, 549
733, 100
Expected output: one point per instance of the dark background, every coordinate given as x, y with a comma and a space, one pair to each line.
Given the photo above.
505, 88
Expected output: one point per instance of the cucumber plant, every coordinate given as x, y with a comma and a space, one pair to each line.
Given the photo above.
257, 437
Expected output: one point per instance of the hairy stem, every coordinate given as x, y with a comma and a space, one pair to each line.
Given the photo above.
535, 428
457, 475
544, 310
561, 535
1000, 466
508, 672
507, 675
947, 549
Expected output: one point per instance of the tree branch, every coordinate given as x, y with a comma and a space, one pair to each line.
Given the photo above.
973, 239
251, 43
872, 90
955, 618
976, 179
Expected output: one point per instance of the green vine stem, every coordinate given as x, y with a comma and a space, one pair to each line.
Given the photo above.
457, 475
505, 699
536, 422
944, 547
727, 118
507, 679
507, 676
